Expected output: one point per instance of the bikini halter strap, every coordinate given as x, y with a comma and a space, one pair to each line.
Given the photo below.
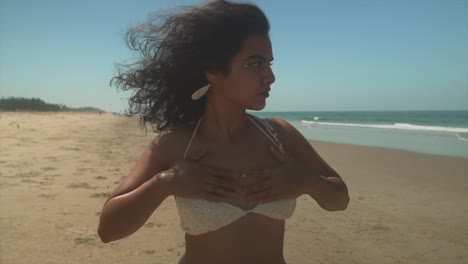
193, 135
269, 133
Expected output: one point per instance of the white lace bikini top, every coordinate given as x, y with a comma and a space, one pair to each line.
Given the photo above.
199, 216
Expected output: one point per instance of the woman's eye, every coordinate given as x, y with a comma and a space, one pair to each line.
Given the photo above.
259, 64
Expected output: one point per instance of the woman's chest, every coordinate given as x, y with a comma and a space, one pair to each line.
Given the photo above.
251, 153
247, 157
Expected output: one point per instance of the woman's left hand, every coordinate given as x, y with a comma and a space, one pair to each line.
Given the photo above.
289, 179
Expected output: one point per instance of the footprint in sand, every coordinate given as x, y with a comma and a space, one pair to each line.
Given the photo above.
83, 185
24, 175
7, 184
14, 123
12, 165
48, 178
149, 252
49, 168
372, 229
85, 240
86, 170
100, 195
121, 179
149, 225
71, 148
81, 236
28, 181
48, 196
379, 227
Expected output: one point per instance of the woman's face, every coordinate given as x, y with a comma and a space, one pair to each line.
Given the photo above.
248, 82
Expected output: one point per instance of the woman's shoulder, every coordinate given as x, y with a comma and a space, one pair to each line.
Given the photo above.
280, 125
286, 132
172, 141
173, 133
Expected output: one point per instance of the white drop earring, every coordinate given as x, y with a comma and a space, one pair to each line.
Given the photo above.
200, 92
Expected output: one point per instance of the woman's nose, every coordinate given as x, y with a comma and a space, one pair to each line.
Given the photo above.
269, 77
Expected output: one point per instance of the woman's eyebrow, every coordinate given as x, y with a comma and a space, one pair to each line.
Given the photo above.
259, 57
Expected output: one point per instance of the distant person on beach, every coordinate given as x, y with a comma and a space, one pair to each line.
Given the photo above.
235, 177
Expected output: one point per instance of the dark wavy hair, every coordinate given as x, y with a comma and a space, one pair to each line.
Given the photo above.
175, 51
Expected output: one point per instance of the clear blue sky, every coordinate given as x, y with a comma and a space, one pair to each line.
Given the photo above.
329, 55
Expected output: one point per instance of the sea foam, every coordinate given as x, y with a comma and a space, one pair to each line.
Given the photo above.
401, 126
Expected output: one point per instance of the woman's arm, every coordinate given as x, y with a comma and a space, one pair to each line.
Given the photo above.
139, 194
329, 190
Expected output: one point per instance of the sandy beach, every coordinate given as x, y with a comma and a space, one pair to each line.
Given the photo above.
56, 169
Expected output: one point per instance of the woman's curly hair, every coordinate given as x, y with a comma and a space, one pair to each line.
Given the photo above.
175, 51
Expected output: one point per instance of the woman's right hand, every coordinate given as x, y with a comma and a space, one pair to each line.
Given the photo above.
192, 180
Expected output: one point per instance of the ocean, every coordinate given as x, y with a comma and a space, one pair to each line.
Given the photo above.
433, 132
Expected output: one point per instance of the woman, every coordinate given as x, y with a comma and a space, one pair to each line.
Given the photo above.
235, 177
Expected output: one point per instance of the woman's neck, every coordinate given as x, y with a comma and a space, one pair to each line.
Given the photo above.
223, 120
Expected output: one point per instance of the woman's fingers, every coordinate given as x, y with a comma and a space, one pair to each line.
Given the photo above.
260, 195
224, 183
225, 179
260, 174
229, 175
228, 193
260, 182
219, 191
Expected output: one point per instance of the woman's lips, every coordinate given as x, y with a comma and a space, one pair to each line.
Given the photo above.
265, 93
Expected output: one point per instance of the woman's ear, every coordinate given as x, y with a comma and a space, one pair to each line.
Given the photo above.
212, 75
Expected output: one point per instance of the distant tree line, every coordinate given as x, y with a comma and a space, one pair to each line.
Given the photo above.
36, 104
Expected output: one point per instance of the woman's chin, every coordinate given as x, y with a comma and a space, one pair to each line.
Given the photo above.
257, 107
